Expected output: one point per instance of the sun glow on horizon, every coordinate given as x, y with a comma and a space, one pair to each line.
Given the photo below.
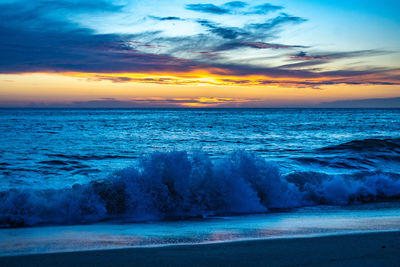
64, 89
218, 54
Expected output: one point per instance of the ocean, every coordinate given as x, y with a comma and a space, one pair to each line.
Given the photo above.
111, 171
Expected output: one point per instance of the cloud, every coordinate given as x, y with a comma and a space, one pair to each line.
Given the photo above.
257, 45
313, 59
336, 55
252, 33
315, 84
39, 41
166, 18
36, 43
303, 64
364, 103
276, 22
157, 80
78, 5
80, 51
240, 75
39, 37
207, 8
236, 4
224, 32
265, 8
234, 7
138, 103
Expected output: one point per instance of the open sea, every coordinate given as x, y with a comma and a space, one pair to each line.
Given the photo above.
79, 179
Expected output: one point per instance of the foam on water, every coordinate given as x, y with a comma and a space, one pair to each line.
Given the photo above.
179, 184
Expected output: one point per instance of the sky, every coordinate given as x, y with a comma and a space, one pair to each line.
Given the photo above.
128, 53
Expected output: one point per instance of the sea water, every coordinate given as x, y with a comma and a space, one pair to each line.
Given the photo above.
69, 167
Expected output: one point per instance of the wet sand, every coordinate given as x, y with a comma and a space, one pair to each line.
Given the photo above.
369, 249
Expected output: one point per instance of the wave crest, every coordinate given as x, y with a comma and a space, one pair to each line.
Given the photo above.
179, 184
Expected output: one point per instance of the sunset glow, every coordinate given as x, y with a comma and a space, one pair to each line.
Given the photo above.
183, 54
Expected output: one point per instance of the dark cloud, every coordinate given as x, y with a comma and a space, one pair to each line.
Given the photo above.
303, 56
354, 72
166, 18
158, 80
312, 81
234, 7
236, 4
257, 45
367, 76
364, 103
208, 8
78, 5
39, 41
265, 8
315, 84
114, 79
262, 45
32, 14
276, 22
224, 32
36, 43
252, 33
303, 64
247, 70
335, 55
313, 59
78, 50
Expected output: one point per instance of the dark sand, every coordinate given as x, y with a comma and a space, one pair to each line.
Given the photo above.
372, 249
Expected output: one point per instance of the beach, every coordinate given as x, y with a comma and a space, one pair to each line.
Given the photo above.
366, 249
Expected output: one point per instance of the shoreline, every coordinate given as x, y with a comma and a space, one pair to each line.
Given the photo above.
377, 248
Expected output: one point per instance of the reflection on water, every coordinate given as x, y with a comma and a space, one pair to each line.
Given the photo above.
304, 222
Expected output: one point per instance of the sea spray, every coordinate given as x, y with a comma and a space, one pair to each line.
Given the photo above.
181, 184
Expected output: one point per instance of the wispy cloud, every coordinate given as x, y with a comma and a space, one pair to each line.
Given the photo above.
234, 7
207, 8
335, 55
258, 45
154, 102
364, 103
265, 8
236, 4
205, 102
166, 18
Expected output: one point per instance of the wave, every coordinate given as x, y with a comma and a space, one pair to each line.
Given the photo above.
366, 154
91, 156
180, 184
367, 145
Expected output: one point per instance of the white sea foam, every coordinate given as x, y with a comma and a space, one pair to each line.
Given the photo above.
179, 184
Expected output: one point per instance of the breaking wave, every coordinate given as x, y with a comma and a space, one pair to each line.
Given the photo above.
179, 184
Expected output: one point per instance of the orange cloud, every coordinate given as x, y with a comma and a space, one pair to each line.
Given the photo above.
207, 77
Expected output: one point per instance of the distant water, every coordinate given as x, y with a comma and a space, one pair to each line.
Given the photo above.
80, 166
